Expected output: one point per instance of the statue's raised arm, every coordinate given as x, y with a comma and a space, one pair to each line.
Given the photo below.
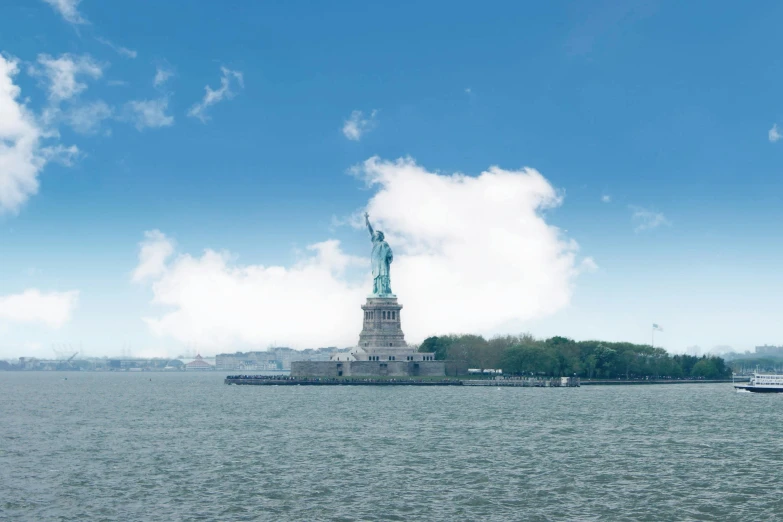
369, 226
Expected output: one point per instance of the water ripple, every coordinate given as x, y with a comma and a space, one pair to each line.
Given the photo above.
187, 447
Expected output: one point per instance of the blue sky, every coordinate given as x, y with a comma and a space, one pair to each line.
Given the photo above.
663, 109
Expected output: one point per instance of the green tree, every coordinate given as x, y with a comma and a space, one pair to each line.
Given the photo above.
528, 359
710, 368
605, 358
628, 363
562, 356
468, 348
590, 365
439, 345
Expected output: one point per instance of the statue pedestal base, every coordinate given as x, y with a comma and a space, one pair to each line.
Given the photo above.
382, 350
382, 327
381, 339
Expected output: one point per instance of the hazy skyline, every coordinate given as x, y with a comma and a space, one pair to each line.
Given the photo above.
194, 175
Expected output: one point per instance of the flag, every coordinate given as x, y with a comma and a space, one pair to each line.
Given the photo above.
656, 327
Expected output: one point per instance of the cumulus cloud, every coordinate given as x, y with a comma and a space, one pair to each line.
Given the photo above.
149, 113
61, 74
68, 9
646, 219
162, 75
773, 134
52, 309
154, 251
87, 118
588, 264
22, 156
216, 301
606, 198
357, 125
212, 97
61, 154
470, 254
124, 51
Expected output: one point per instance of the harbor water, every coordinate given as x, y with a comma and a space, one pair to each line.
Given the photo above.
157, 446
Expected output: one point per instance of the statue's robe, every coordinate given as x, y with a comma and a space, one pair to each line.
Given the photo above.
381, 259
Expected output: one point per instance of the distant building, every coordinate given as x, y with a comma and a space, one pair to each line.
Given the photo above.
198, 365
27, 363
134, 363
769, 350
245, 361
273, 359
174, 364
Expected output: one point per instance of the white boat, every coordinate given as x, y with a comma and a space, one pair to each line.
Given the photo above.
762, 383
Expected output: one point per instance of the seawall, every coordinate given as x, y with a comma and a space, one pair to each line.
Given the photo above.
259, 380
659, 381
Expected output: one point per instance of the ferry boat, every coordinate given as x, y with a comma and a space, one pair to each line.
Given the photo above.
762, 383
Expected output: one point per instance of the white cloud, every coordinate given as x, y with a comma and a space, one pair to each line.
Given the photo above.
588, 264
149, 113
357, 125
128, 53
606, 198
61, 154
87, 118
774, 135
68, 9
212, 97
61, 74
218, 302
647, 219
124, 51
22, 156
52, 309
162, 75
154, 251
468, 90
470, 254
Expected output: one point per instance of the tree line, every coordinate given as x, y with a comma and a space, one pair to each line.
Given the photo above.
560, 356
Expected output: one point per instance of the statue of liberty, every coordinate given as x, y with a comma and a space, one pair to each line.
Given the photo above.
381, 259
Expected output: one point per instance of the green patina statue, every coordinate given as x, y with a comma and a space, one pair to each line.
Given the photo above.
381, 260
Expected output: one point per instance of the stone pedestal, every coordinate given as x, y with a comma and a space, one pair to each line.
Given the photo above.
382, 329
381, 339
382, 350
